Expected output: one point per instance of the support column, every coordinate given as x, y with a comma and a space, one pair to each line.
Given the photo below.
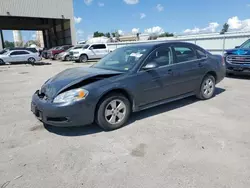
63, 32
55, 32
1, 40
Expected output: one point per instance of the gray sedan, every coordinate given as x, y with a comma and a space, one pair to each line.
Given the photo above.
127, 80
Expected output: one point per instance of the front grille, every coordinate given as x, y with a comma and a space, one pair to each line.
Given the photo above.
238, 59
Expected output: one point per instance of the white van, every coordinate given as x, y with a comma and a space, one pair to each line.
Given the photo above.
89, 51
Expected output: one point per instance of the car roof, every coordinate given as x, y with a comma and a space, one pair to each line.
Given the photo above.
19, 50
159, 43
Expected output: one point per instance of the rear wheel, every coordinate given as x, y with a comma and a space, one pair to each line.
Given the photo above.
2, 62
207, 88
67, 58
83, 58
113, 111
31, 60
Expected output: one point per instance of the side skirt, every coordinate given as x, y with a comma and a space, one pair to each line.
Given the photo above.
147, 106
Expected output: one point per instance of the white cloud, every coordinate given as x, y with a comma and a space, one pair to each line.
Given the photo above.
210, 28
88, 2
77, 20
100, 4
80, 34
154, 30
131, 2
159, 7
135, 30
120, 32
236, 24
142, 15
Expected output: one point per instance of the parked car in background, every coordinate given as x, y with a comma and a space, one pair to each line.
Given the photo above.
129, 79
238, 59
17, 56
88, 52
33, 50
64, 56
45, 52
54, 52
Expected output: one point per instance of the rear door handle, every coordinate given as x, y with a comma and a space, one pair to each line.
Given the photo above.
170, 71
200, 64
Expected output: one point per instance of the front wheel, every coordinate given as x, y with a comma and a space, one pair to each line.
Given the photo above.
67, 58
113, 111
207, 88
83, 58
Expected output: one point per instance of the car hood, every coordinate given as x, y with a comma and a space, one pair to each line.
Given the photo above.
3, 56
238, 51
74, 78
64, 53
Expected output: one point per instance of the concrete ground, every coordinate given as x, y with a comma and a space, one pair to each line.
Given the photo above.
188, 143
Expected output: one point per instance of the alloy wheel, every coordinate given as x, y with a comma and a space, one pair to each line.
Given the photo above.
208, 87
31, 60
115, 111
83, 58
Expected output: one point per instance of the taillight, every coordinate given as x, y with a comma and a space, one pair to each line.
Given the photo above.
223, 61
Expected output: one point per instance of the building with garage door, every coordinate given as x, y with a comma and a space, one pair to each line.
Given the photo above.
55, 18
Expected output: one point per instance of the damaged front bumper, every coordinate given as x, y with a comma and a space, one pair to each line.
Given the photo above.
62, 115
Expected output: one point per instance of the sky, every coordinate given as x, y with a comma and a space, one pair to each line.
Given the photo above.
156, 16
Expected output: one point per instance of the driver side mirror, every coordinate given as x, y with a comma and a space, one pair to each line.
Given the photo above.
91, 48
150, 66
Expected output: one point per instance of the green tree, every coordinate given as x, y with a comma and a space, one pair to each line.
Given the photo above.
30, 42
224, 29
108, 35
166, 34
98, 34
8, 44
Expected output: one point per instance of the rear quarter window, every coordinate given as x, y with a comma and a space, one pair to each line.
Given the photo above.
184, 54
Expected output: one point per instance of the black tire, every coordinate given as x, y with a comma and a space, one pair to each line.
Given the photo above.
2, 62
206, 90
67, 58
31, 60
83, 58
55, 57
102, 120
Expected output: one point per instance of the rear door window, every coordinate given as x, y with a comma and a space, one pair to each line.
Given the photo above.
184, 54
201, 54
19, 53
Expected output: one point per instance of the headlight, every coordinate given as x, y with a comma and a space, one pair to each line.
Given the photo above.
71, 96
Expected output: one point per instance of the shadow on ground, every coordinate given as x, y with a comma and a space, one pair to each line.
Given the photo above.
93, 129
40, 63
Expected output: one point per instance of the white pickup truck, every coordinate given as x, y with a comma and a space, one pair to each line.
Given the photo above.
89, 51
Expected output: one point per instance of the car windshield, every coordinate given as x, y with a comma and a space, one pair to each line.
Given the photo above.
246, 44
3, 51
77, 47
123, 59
85, 47
70, 49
